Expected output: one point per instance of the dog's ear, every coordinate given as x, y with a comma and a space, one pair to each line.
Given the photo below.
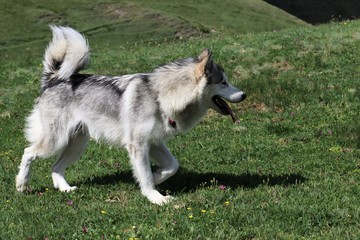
204, 64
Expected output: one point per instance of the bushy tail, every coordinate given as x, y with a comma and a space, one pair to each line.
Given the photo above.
66, 54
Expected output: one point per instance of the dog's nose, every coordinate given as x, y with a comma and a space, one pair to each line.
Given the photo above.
243, 96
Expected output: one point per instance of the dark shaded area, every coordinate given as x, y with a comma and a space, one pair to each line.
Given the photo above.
320, 11
187, 181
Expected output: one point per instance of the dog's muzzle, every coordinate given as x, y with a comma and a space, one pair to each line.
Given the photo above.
230, 94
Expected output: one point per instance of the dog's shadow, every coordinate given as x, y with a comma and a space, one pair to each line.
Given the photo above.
186, 181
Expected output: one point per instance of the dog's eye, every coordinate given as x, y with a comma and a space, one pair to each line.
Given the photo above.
224, 83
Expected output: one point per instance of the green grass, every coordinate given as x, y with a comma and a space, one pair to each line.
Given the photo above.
290, 170
24, 24
228, 17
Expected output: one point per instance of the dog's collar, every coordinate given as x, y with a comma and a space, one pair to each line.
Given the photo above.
172, 122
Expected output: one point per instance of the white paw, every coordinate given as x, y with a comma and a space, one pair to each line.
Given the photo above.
21, 188
156, 198
61, 184
167, 199
68, 189
21, 184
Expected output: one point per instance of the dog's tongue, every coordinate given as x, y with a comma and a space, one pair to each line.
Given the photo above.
231, 113
225, 108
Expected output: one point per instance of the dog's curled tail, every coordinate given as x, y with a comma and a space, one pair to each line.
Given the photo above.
66, 54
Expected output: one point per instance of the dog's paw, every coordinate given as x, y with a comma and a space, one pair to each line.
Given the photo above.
163, 200
167, 199
21, 188
21, 184
156, 198
68, 189
61, 184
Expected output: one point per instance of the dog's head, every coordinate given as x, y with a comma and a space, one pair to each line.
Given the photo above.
217, 88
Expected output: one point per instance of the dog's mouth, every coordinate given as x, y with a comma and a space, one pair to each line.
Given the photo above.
224, 107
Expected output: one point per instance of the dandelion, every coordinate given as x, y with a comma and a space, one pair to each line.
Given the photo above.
7, 201
203, 211
46, 189
191, 216
189, 208
227, 203
103, 212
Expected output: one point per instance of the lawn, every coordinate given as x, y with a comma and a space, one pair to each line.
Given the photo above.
289, 170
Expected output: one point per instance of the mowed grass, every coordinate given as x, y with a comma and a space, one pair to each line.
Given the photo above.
289, 170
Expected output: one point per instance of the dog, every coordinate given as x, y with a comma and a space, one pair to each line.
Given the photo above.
138, 111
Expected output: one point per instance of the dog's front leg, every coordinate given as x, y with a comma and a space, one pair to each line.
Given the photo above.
139, 156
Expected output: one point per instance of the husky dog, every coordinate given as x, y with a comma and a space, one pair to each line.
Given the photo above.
138, 112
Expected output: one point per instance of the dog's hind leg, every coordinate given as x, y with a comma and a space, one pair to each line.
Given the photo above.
69, 155
42, 145
139, 156
165, 160
23, 177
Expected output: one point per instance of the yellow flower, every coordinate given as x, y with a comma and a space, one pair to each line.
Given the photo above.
203, 211
189, 208
227, 203
190, 216
103, 212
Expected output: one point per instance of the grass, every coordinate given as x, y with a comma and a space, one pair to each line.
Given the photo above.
228, 17
24, 25
290, 170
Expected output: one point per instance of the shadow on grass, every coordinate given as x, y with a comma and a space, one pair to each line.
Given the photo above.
186, 181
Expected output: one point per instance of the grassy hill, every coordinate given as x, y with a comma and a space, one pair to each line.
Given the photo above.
24, 24
290, 170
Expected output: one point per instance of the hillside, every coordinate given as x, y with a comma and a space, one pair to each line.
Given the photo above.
24, 24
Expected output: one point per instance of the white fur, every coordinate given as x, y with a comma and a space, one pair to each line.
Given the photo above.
69, 47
